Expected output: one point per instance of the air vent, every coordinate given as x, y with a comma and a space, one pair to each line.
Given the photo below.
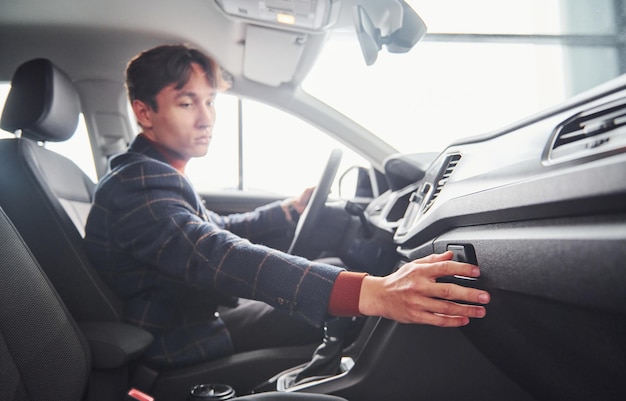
590, 133
442, 179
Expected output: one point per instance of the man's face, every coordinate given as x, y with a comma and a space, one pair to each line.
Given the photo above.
185, 117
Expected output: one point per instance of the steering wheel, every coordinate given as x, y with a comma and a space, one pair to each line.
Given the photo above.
313, 211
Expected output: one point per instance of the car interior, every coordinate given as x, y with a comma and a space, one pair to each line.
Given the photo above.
539, 205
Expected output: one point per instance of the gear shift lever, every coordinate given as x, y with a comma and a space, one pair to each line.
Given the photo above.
327, 357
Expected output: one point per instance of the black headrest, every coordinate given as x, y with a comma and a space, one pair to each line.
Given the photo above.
42, 102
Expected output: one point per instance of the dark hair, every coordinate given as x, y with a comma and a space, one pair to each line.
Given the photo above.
152, 70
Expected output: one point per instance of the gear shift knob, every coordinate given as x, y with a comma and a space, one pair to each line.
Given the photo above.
326, 359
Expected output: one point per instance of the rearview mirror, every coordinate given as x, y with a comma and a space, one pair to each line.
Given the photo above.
393, 24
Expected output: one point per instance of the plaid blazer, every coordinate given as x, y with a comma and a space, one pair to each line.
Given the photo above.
169, 258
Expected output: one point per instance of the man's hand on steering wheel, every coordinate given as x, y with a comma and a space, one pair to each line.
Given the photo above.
297, 205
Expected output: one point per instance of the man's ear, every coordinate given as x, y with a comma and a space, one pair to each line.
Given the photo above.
143, 113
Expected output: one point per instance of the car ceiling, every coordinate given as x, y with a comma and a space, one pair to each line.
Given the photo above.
95, 39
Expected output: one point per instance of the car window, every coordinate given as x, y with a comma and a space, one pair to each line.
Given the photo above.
77, 148
4, 92
279, 153
472, 73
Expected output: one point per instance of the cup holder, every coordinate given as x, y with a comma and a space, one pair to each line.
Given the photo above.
211, 392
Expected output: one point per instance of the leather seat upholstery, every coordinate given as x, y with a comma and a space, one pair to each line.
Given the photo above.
42, 189
43, 355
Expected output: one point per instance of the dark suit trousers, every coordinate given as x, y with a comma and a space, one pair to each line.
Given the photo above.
255, 325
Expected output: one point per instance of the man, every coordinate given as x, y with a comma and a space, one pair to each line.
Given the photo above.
171, 260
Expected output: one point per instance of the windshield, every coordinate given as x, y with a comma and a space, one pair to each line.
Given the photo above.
482, 65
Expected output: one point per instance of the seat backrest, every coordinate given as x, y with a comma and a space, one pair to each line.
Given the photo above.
47, 196
43, 355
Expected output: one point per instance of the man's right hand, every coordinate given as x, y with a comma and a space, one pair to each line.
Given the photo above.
411, 294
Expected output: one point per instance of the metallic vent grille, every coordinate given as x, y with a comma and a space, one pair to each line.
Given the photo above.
442, 179
591, 132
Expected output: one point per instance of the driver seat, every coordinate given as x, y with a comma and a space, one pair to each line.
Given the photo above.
42, 189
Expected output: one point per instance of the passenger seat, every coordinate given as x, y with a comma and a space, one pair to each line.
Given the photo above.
43, 106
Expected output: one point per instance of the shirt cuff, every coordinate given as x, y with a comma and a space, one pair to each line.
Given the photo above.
344, 297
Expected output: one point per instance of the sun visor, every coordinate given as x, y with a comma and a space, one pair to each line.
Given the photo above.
271, 56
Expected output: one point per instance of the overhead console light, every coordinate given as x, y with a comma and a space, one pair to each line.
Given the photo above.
286, 19
312, 15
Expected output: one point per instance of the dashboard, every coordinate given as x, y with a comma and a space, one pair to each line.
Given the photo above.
540, 206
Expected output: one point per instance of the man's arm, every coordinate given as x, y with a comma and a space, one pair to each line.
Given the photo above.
266, 221
156, 217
